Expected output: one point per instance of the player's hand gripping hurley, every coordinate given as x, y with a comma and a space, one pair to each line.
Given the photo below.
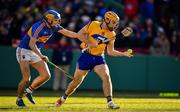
125, 33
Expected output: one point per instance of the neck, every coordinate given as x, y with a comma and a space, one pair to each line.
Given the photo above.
47, 24
104, 26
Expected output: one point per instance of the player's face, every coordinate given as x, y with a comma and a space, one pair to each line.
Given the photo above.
56, 23
112, 25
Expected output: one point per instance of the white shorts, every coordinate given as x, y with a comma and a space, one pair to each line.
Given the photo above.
27, 55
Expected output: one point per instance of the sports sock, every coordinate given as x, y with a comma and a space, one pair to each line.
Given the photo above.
109, 98
19, 98
65, 96
29, 89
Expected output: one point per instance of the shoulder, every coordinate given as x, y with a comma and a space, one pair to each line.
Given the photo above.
113, 33
38, 23
96, 22
93, 24
56, 29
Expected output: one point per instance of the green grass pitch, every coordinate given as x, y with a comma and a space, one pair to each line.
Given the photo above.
91, 104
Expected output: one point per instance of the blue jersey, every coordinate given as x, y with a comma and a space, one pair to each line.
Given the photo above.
41, 32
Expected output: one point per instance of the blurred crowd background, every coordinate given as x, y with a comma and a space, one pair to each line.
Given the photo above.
156, 23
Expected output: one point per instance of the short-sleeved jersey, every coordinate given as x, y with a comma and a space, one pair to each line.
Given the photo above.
96, 34
40, 31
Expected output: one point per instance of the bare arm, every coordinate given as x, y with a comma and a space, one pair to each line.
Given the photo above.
84, 34
33, 46
69, 33
112, 52
80, 35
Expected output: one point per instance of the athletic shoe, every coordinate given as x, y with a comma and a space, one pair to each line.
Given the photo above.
59, 102
29, 97
20, 102
111, 105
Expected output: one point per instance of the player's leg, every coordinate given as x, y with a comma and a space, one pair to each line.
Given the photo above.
44, 76
77, 80
82, 68
103, 72
25, 70
74, 84
23, 59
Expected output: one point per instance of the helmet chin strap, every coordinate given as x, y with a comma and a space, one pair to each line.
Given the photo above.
49, 24
109, 28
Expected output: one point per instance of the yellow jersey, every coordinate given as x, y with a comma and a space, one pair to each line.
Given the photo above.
95, 35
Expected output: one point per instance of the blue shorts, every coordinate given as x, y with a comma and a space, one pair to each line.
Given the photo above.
88, 61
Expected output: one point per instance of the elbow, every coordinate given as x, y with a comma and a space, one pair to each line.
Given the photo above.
110, 53
31, 45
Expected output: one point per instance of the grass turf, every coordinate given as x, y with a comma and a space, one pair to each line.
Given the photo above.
91, 104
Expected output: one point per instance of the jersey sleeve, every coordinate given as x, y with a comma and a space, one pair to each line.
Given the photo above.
111, 41
32, 30
113, 35
89, 27
35, 29
56, 29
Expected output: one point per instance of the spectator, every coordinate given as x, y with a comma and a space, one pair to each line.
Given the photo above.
147, 9
142, 15
150, 28
161, 45
176, 42
131, 8
62, 56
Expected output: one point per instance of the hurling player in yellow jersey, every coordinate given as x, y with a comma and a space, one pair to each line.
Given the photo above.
93, 58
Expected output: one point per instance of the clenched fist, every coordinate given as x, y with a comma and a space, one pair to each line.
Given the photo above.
45, 58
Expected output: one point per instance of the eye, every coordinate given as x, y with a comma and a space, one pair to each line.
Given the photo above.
58, 20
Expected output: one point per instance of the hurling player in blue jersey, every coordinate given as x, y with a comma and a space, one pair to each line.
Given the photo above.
28, 53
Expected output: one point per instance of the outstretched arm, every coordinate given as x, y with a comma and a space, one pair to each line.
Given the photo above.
81, 35
112, 52
69, 33
72, 34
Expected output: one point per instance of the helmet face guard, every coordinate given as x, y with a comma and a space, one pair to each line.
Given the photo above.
50, 16
112, 20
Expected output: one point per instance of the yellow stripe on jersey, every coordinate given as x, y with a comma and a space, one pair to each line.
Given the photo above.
97, 34
30, 32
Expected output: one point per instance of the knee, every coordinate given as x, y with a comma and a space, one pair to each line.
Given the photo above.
46, 76
106, 77
26, 79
